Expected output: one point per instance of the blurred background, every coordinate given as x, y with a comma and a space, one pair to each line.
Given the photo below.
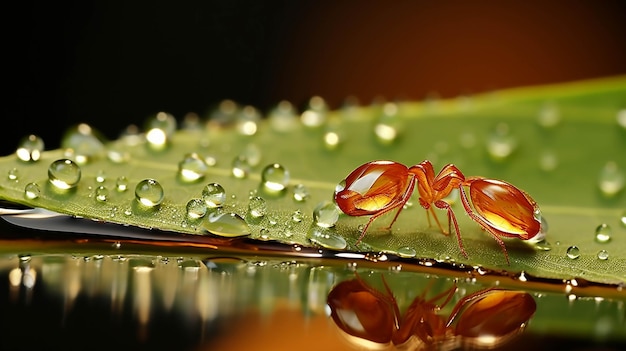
112, 63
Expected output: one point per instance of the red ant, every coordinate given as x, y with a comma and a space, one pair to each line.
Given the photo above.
483, 318
500, 208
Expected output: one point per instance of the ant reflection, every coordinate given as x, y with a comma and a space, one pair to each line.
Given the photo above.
371, 319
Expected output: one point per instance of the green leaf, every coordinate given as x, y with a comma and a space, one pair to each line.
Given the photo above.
558, 143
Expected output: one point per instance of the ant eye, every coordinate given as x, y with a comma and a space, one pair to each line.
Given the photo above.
339, 187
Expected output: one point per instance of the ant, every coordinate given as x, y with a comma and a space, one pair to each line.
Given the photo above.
378, 187
365, 314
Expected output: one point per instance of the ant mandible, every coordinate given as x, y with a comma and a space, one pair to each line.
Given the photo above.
378, 187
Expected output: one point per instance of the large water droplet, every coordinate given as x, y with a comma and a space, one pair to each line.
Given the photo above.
159, 130
257, 207
32, 191
247, 120
214, 195
549, 116
406, 251
275, 177
315, 114
64, 174
326, 237
226, 224
573, 252
603, 255
30, 148
326, 214
192, 168
300, 192
611, 179
196, 208
101, 193
240, 167
501, 142
84, 143
283, 118
603, 233
388, 125
149, 193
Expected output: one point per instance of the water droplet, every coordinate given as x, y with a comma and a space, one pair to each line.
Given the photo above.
406, 251
252, 154
283, 118
117, 153
192, 168
101, 176
196, 208
543, 245
241, 167
501, 143
102, 193
264, 234
159, 130
247, 120
548, 161
622, 218
388, 125
573, 252
64, 174
83, 142
603, 255
315, 114
257, 207
326, 214
226, 224
275, 178
32, 191
121, 184
611, 180
149, 193
300, 192
549, 116
13, 174
603, 233
326, 237
214, 195
30, 148
297, 216
621, 118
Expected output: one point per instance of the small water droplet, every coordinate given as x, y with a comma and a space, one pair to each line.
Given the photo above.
252, 154
549, 116
196, 208
406, 251
275, 178
192, 168
101, 177
226, 224
149, 193
622, 218
159, 130
264, 234
326, 214
117, 153
621, 118
297, 216
13, 174
326, 237
121, 184
543, 245
64, 174
315, 114
83, 142
101, 193
240, 167
283, 118
247, 120
611, 180
32, 191
300, 192
214, 195
30, 148
573, 252
257, 207
603, 255
548, 161
388, 125
603, 233
501, 142
333, 135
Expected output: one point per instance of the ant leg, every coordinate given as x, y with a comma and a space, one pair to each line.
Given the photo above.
446, 206
405, 199
432, 211
373, 217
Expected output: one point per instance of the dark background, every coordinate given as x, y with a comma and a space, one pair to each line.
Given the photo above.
112, 63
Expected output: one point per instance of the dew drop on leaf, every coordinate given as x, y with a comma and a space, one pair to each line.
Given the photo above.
326, 214
611, 179
300, 192
549, 116
406, 251
257, 207
121, 184
196, 208
621, 118
30, 148
240, 167
214, 195
501, 142
159, 130
622, 218
192, 168
387, 127
101, 177
252, 154
13, 174
149, 193
548, 161
283, 118
326, 237
32, 191
603, 255
101, 193
248, 120
83, 142
64, 174
275, 177
603, 233
573, 252
226, 224
315, 114
297, 216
